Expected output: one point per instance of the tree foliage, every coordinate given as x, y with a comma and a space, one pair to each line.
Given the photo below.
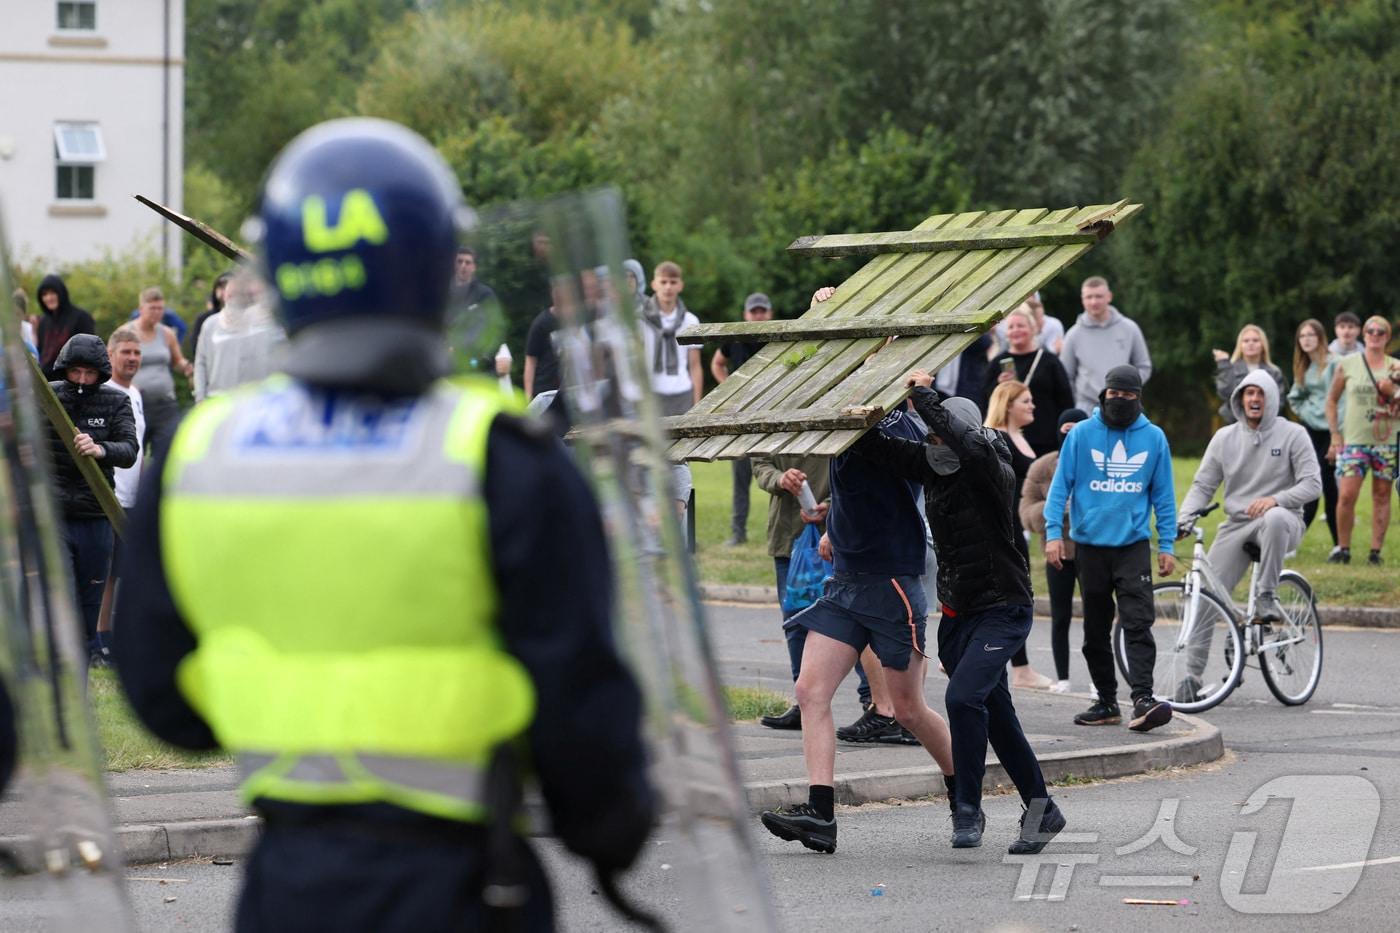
1273, 194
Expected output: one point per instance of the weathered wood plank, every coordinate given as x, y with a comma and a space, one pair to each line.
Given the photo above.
903, 325
200, 231
934, 241
762, 422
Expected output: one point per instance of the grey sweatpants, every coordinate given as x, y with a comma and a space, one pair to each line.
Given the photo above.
1277, 532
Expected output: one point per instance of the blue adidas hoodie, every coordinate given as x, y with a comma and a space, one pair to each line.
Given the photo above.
1112, 478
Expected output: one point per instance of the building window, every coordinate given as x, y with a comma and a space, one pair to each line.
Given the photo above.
77, 15
75, 182
78, 147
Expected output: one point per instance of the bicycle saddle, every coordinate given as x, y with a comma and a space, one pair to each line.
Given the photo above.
1252, 550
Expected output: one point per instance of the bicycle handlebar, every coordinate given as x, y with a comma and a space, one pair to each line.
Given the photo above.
1185, 528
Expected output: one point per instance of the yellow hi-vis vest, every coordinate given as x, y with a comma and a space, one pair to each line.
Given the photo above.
332, 558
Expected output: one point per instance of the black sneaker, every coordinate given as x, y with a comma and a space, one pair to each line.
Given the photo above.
1102, 713
792, 719
1374, 559
1149, 713
803, 824
1339, 555
968, 825
870, 727
1189, 690
1266, 607
1034, 838
904, 737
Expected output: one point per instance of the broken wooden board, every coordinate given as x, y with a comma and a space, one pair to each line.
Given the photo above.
799, 371
199, 230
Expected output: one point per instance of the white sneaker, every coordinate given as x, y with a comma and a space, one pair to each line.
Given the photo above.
1060, 686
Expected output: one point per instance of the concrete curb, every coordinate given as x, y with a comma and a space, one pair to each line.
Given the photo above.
1202, 744
163, 842
1360, 616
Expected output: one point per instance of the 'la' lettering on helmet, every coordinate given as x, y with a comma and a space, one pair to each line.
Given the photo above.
358, 220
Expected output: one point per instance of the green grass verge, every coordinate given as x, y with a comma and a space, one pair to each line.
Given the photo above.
1357, 584
752, 702
125, 742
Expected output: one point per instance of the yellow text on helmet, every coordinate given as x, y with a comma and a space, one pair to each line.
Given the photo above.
358, 220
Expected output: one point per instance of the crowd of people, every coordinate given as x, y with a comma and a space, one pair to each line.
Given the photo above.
1033, 430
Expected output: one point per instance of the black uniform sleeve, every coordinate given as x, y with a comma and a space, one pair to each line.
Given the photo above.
152, 638
555, 579
904, 458
121, 443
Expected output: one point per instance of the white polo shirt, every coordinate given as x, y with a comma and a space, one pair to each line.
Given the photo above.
129, 478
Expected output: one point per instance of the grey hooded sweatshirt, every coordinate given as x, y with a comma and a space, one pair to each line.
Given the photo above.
1275, 460
1091, 349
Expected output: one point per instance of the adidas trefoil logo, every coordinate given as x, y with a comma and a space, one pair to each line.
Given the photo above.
1118, 465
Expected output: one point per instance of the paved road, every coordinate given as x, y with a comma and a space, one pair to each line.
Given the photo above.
1349, 734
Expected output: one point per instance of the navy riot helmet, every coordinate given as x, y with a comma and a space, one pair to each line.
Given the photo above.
359, 218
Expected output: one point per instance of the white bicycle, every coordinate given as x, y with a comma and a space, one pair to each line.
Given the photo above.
1203, 641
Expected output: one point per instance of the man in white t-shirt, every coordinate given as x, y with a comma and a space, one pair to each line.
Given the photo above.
124, 348
676, 374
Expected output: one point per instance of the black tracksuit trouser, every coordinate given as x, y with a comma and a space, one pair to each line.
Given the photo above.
1124, 573
973, 648
1060, 584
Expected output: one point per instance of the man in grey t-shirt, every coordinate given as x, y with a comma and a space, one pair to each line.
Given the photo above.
1100, 339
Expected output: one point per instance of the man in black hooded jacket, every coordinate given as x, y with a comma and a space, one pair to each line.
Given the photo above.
985, 587
106, 432
59, 319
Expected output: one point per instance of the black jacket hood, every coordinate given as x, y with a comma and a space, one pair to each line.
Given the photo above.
53, 283
84, 350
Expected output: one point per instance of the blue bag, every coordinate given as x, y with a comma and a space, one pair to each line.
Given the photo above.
807, 572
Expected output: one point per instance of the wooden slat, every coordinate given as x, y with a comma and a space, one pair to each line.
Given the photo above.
763, 422
904, 325
934, 241
200, 231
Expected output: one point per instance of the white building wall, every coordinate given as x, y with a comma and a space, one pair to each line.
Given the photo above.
117, 77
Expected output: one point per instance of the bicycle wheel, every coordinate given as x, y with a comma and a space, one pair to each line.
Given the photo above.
1194, 670
1290, 652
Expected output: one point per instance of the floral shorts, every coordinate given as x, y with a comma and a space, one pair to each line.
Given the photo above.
1356, 459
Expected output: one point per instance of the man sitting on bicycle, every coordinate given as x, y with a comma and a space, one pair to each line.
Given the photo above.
1270, 471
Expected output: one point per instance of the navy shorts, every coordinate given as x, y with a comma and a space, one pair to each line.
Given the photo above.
858, 609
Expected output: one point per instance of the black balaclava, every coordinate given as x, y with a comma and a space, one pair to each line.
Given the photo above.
1068, 416
1121, 412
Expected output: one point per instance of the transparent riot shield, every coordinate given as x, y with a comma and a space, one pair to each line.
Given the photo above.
60, 867
567, 255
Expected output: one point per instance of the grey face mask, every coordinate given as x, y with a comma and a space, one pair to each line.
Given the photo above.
942, 459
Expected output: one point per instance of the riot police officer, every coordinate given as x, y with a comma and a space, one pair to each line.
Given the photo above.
338, 577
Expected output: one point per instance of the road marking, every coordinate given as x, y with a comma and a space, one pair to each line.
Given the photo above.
1352, 712
1374, 861
1360, 706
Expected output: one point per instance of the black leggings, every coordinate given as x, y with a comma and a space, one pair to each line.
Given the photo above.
1321, 440
1020, 658
1060, 583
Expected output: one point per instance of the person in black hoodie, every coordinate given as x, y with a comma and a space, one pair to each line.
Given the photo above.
106, 432
59, 319
985, 588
